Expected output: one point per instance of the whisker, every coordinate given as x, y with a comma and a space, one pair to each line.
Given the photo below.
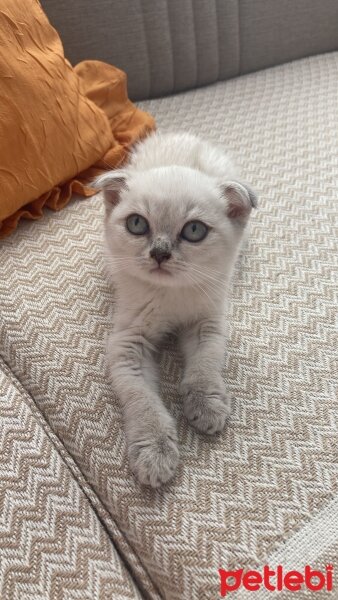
212, 282
214, 287
112, 167
114, 271
207, 275
215, 271
189, 275
113, 257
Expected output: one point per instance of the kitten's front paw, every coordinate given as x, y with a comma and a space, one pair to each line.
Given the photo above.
154, 459
207, 412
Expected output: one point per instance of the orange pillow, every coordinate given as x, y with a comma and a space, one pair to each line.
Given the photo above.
55, 121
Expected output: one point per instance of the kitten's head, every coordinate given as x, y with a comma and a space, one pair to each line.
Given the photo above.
173, 225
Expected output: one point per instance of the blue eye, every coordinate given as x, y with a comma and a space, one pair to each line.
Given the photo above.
137, 225
194, 231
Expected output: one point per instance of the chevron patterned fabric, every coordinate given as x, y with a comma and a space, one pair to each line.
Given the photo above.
238, 499
52, 544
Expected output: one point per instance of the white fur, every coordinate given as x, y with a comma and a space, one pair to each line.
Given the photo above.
171, 179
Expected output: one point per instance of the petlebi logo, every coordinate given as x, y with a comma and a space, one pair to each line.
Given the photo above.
276, 579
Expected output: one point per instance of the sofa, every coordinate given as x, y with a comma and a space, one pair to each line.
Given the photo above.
260, 78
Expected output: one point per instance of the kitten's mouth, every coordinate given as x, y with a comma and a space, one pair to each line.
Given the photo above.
160, 271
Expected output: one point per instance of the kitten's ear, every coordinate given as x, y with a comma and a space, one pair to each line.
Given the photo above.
112, 183
240, 199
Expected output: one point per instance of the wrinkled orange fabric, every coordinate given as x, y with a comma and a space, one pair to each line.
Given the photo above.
59, 126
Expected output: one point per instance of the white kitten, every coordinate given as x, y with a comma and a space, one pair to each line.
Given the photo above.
175, 218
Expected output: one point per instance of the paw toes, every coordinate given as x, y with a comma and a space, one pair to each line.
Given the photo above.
155, 462
207, 413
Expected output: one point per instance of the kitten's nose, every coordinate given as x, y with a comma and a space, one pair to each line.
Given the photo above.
160, 249
160, 254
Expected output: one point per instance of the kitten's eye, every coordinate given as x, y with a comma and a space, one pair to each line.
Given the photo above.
137, 225
194, 231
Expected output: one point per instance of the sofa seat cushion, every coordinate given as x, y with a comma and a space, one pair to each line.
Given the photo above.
52, 544
239, 497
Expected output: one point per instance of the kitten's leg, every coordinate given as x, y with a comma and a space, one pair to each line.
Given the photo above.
150, 429
206, 401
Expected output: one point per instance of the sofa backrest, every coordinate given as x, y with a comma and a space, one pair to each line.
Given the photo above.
167, 46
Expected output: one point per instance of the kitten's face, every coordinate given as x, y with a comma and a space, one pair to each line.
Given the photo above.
170, 227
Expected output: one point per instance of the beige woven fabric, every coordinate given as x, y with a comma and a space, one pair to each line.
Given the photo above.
236, 498
315, 544
52, 544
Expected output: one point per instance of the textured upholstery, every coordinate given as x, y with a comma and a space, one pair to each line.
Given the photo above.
241, 498
52, 544
276, 31
172, 45
164, 46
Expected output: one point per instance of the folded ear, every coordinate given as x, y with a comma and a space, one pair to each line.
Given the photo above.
112, 183
240, 199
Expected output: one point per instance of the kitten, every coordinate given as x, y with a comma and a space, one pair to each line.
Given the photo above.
175, 219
